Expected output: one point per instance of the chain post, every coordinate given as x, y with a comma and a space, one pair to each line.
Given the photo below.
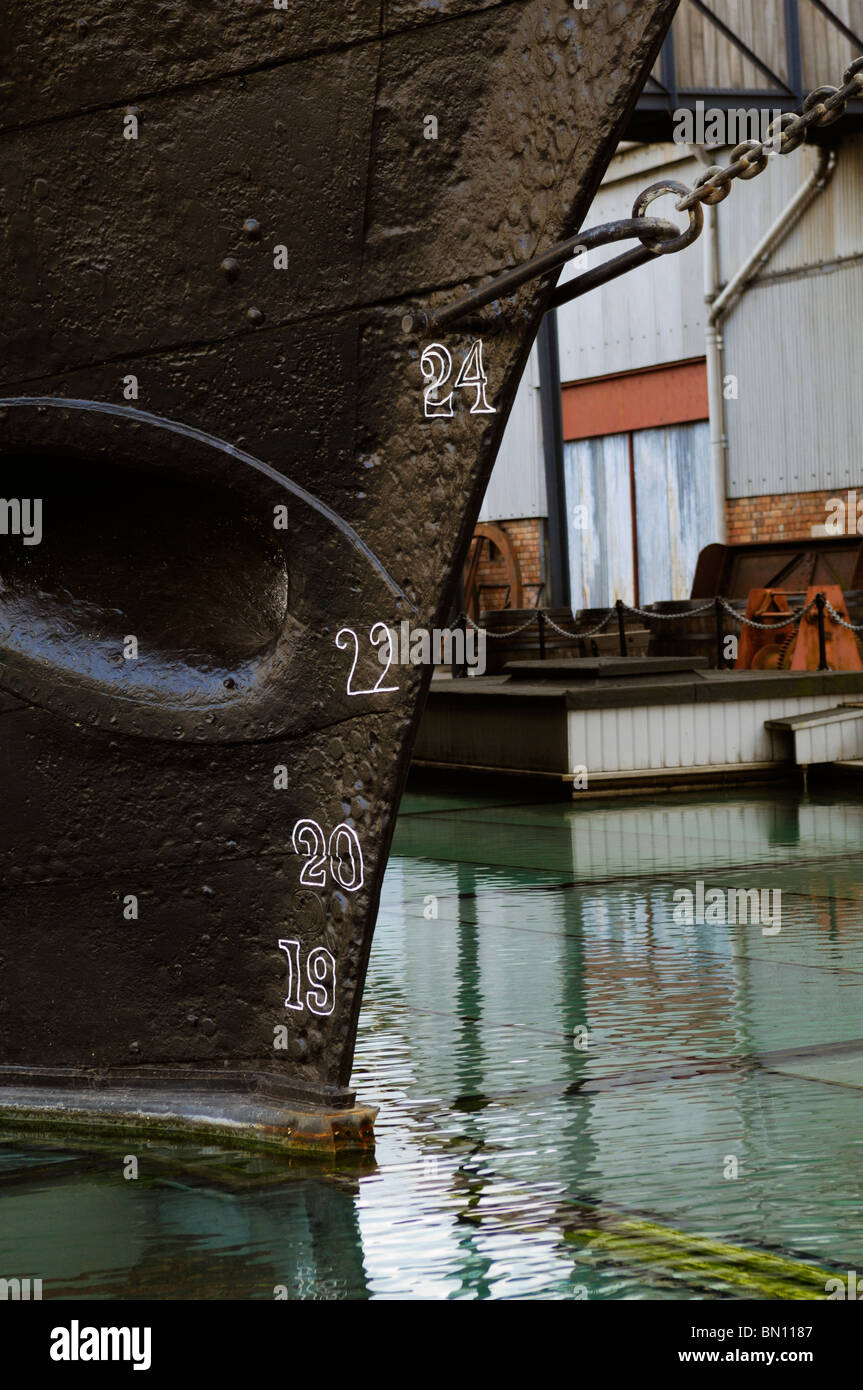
720, 636
541, 617
821, 604
621, 626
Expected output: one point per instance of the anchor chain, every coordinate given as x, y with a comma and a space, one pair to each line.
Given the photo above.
822, 107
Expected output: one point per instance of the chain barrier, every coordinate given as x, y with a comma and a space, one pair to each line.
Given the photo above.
581, 636
670, 617
495, 636
782, 620
531, 622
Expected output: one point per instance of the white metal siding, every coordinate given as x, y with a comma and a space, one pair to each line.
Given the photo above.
831, 230
517, 485
794, 348
667, 737
651, 316
828, 743
793, 342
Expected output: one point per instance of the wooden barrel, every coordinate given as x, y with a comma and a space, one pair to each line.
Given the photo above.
689, 635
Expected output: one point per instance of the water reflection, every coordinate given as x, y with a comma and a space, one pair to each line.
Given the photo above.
565, 1073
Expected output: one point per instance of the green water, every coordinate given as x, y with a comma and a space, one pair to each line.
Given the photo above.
580, 1096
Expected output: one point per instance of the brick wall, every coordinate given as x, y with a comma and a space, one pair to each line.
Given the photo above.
527, 538
776, 517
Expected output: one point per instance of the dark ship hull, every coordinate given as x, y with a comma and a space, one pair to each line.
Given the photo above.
218, 223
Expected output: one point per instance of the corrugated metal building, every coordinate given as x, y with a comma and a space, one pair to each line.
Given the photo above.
653, 467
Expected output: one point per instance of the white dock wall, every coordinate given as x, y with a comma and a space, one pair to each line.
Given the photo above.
662, 738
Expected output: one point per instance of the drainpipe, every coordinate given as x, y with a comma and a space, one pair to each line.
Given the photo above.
552, 439
715, 376
721, 303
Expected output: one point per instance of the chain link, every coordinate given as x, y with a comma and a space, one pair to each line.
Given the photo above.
837, 618
495, 636
785, 620
821, 108
670, 617
581, 636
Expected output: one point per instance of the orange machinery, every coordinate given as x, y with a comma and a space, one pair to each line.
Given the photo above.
792, 646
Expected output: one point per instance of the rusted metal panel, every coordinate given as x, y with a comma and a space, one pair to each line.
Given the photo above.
636, 401
733, 570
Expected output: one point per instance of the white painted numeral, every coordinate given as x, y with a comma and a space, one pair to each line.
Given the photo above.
308, 839
292, 951
436, 364
321, 970
472, 374
344, 842
383, 633
321, 975
344, 851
